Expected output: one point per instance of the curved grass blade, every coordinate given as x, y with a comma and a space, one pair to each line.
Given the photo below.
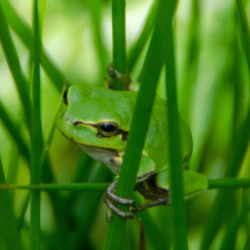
14, 65
25, 34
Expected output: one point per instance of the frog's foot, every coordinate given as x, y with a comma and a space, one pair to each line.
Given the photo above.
113, 73
110, 197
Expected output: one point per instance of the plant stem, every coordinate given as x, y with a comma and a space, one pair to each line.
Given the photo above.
36, 136
229, 183
127, 177
177, 202
212, 184
119, 40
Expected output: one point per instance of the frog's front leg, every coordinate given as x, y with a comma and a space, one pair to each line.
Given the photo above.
193, 183
125, 79
110, 197
156, 196
146, 169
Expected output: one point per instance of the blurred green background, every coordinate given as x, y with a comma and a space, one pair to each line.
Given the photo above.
213, 95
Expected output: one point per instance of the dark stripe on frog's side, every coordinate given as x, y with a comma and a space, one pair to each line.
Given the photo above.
124, 134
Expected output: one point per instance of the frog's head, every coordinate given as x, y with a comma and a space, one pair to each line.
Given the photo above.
96, 117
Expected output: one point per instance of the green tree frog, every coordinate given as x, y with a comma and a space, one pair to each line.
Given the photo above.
98, 119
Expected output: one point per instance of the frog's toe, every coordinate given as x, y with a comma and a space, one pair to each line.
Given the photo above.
111, 206
113, 197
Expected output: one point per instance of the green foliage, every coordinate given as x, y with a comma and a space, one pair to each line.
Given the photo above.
205, 49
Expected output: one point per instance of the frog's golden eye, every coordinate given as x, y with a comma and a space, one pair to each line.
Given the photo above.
65, 97
107, 129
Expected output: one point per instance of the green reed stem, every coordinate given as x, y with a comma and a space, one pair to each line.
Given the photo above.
177, 202
36, 135
151, 71
137, 48
212, 184
119, 40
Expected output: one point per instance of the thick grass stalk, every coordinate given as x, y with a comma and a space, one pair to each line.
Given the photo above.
36, 136
177, 201
154, 61
14, 64
119, 40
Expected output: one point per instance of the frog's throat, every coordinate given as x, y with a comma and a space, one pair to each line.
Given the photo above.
109, 157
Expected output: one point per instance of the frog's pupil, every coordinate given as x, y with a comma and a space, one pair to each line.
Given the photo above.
108, 127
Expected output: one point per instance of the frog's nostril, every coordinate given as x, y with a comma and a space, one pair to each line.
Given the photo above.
76, 123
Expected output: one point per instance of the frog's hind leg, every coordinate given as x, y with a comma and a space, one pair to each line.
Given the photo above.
149, 190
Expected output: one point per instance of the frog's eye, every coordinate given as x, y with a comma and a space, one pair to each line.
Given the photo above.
65, 97
107, 129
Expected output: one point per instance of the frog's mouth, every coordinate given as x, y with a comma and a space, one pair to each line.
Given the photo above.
85, 147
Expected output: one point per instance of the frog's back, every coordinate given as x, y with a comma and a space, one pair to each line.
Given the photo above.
156, 145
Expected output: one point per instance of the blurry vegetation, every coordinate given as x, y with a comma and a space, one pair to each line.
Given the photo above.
212, 53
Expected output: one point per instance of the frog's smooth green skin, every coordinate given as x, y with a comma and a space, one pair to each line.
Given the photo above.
98, 119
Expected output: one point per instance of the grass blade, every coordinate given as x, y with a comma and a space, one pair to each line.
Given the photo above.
223, 198
25, 34
14, 132
245, 30
235, 222
36, 136
136, 49
96, 14
119, 40
61, 187
212, 184
153, 64
177, 201
14, 64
